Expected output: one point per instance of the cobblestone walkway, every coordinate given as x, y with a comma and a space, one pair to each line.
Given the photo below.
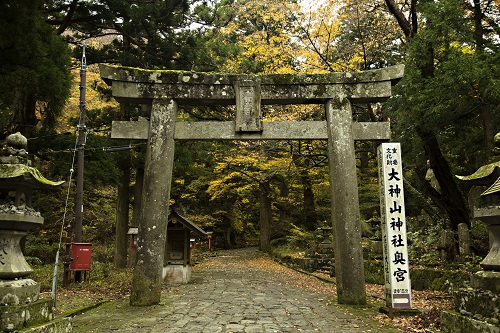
234, 292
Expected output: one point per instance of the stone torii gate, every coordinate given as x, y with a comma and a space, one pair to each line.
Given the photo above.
163, 91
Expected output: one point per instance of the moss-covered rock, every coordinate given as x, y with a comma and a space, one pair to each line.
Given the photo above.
374, 271
454, 322
436, 279
477, 302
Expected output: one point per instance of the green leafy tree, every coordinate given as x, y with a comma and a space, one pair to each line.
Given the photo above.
124, 32
249, 37
367, 38
146, 34
349, 35
245, 179
449, 91
257, 36
35, 77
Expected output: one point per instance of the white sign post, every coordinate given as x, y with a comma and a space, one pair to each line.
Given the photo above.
396, 267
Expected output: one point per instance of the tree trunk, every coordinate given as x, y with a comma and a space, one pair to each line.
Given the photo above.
423, 202
450, 198
227, 234
265, 216
136, 213
122, 203
478, 25
310, 216
485, 108
409, 27
139, 179
23, 118
488, 130
122, 210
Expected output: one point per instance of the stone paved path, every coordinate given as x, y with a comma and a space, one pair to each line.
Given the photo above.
234, 292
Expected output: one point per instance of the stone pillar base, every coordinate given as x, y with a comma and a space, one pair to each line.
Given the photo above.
15, 292
176, 274
16, 317
486, 280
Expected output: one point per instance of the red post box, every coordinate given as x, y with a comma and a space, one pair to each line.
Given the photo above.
81, 253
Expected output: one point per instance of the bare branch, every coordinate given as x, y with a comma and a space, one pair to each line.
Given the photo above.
404, 24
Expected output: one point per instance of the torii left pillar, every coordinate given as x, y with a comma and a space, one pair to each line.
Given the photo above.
147, 279
349, 269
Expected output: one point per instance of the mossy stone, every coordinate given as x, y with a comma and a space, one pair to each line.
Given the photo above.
17, 140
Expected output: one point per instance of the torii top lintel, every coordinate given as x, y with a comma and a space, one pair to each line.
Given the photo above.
135, 85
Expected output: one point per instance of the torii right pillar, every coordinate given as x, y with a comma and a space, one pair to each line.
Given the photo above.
349, 268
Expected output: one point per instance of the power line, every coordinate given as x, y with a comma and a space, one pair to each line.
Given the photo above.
105, 149
99, 130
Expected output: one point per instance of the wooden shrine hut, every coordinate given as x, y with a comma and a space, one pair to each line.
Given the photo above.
181, 232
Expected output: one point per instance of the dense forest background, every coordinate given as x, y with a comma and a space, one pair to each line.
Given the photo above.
445, 111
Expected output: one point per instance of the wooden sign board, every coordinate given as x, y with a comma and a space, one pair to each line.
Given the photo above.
396, 267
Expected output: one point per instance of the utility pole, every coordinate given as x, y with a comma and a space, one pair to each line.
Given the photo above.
82, 133
80, 147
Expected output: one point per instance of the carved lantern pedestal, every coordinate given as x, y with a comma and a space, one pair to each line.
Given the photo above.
13, 227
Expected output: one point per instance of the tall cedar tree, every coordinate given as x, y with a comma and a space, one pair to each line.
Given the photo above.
35, 77
442, 91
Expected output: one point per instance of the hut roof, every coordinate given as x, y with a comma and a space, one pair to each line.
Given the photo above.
176, 217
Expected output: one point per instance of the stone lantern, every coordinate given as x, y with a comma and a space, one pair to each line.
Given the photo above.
476, 307
488, 211
19, 295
